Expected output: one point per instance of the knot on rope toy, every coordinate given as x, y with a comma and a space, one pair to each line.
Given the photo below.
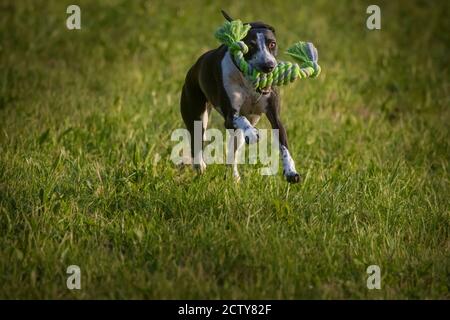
231, 34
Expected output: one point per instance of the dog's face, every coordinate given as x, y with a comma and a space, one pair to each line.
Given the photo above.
262, 47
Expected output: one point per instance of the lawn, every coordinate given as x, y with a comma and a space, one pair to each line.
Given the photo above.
86, 177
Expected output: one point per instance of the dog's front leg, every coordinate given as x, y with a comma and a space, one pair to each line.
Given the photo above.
235, 142
272, 113
251, 134
239, 130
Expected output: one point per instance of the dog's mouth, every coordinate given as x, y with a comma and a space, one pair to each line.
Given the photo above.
264, 70
264, 91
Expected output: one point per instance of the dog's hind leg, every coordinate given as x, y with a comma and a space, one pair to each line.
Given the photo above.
195, 115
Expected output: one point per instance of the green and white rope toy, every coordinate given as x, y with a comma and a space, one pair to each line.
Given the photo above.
231, 34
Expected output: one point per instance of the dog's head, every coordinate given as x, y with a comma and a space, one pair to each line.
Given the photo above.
262, 45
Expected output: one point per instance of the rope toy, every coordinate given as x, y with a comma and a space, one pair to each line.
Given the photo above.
231, 34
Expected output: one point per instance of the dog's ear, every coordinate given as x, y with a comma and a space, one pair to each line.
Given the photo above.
226, 15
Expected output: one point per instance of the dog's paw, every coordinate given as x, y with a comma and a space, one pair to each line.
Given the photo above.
232, 174
293, 177
251, 135
200, 167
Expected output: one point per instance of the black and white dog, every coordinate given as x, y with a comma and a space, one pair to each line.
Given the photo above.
215, 81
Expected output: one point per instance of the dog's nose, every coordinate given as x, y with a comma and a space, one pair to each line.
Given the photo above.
268, 67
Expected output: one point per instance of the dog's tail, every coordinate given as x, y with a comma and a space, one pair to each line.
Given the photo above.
226, 15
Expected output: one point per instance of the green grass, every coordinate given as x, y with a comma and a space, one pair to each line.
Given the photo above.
84, 113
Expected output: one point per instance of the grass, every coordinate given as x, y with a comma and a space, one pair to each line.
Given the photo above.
85, 114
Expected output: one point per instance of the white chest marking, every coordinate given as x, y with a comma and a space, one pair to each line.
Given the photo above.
243, 97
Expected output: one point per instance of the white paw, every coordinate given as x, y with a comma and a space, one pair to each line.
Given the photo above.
200, 167
251, 135
236, 176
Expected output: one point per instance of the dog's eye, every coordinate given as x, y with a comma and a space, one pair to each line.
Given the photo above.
272, 45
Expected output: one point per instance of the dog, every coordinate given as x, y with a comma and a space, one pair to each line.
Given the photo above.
215, 81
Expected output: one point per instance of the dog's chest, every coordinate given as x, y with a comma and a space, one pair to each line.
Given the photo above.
242, 95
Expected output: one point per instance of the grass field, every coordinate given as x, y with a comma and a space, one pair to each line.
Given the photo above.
84, 115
